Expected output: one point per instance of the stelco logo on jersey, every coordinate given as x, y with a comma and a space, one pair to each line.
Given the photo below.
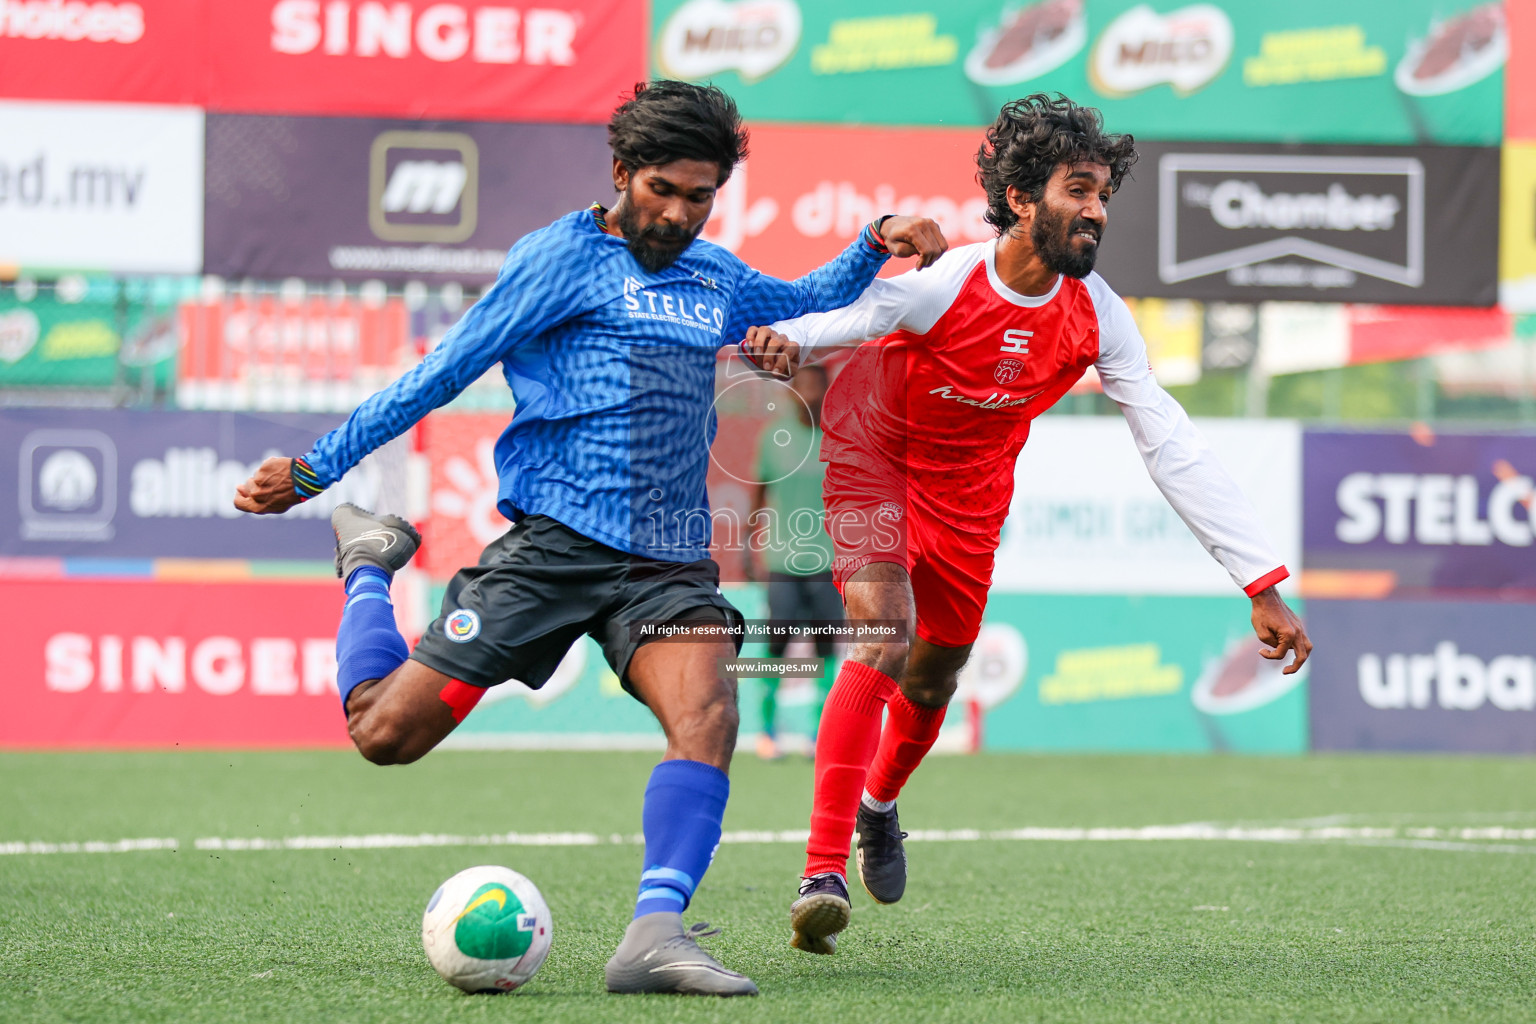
652, 303
423, 186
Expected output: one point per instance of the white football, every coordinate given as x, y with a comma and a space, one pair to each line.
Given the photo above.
487, 929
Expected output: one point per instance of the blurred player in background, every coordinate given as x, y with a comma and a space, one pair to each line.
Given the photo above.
796, 548
607, 324
922, 432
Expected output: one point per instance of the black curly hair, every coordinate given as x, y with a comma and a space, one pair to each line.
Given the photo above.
1031, 137
666, 120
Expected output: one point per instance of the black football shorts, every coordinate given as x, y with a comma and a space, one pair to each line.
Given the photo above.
542, 585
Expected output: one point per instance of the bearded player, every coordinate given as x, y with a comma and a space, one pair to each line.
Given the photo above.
922, 430
606, 324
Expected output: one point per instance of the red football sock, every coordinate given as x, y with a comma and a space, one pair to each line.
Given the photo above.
845, 742
910, 730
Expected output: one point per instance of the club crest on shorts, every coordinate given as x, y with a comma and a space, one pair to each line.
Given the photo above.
891, 511
1007, 371
462, 626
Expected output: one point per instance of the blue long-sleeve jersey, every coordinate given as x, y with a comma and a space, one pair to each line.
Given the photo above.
613, 373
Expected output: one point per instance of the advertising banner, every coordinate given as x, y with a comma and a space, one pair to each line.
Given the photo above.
462, 513
1130, 673
101, 187
1048, 673
507, 61
1384, 72
1418, 675
310, 353
140, 485
327, 198
140, 51
119, 663
1087, 519
1517, 231
89, 334
1411, 514
785, 214
1246, 223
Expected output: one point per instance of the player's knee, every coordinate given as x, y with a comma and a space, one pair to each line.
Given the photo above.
712, 717
382, 741
890, 658
930, 693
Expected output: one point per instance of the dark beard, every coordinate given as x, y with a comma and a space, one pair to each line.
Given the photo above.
643, 244
1052, 236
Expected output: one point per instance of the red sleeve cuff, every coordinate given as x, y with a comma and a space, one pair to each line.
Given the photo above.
1266, 581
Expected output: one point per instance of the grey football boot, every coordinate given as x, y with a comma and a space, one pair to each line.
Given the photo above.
362, 538
882, 858
822, 911
658, 955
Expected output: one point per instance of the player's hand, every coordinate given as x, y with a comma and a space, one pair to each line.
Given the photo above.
1279, 627
914, 236
270, 491
771, 351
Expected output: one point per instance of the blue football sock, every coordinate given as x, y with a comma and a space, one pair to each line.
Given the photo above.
368, 646
684, 805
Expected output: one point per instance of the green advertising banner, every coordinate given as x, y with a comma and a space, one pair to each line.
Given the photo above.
1378, 71
1055, 672
1049, 672
81, 333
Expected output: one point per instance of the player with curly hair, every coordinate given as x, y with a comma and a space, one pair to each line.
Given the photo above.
921, 433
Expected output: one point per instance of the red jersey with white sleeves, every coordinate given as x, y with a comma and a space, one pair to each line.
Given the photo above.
955, 367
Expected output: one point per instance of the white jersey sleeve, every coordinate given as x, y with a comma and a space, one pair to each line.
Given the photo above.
1180, 462
913, 301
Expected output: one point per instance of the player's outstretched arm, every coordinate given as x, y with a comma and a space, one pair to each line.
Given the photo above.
910, 302
1193, 480
535, 290
761, 299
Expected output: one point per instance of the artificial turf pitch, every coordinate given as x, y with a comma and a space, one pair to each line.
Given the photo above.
1345, 929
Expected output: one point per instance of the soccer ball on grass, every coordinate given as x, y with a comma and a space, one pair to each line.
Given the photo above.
487, 929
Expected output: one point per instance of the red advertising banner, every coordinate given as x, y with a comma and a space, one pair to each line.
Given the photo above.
805, 192
463, 514
310, 353
130, 663
1383, 333
1520, 72
567, 60
147, 51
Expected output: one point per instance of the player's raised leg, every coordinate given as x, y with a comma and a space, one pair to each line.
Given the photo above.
684, 807
396, 709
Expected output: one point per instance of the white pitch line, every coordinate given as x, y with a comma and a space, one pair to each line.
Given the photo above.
1418, 837
93, 846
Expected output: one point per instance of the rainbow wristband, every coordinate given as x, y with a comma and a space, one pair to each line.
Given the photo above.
872, 237
306, 482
